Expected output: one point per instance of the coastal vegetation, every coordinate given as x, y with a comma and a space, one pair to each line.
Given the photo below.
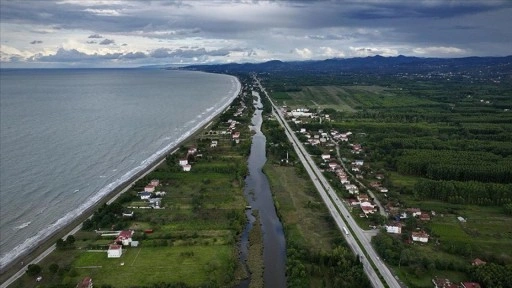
438, 143
185, 234
317, 255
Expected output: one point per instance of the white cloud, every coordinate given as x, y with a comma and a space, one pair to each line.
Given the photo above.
303, 53
103, 12
372, 51
440, 50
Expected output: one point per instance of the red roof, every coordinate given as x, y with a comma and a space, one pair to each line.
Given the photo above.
125, 234
114, 247
86, 283
470, 285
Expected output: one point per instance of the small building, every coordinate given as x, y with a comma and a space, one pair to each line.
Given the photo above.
363, 197
183, 162
144, 195
478, 262
114, 251
383, 190
125, 237
192, 150
187, 168
414, 211
213, 144
85, 283
420, 236
394, 228
134, 244
424, 216
461, 219
359, 162
235, 135
326, 157
149, 188
154, 182
443, 283
128, 214
469, 285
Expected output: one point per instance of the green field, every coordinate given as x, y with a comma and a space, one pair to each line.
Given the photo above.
193, 265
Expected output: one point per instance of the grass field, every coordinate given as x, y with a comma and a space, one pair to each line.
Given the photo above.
193, 265
301, 209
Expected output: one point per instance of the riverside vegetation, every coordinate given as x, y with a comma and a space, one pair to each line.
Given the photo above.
442, 143
193, 239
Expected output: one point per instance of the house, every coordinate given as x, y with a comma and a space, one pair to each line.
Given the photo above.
213, 144
383, 190
114, 251
424, 217
352, 189
359, 162
394, 228
333, 165
154, 182
192, 150
183, 162
414, 211
149, 188
144, 195
367, 207
187, 168
128, 214
235, 135
461, 219
470, 285
420, 236
125, 237
363, 197
302, 130
478, 262
326, 157
85, 283
443, 283
353, 202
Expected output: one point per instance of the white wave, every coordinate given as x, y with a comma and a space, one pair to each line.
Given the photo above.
22, 225
31, 242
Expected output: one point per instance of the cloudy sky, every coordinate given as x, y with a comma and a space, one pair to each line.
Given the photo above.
111, 33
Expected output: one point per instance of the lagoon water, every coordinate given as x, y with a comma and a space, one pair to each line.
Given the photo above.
70, 136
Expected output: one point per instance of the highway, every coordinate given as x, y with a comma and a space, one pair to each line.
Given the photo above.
338, 210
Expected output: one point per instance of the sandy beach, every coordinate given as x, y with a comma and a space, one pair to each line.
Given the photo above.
17, 268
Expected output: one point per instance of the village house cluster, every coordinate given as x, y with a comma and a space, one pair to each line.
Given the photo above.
446, 283
151, 196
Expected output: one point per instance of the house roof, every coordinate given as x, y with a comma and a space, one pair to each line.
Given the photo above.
85, 282
420, 234
470, 285
125, 234
114, 247
478, 261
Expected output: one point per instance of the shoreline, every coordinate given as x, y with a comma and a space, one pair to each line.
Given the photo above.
12, 271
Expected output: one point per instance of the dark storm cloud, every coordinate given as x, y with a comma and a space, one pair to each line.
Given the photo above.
107, 42
36, 42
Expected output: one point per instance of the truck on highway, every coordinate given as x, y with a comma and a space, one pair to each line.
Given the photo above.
345, 230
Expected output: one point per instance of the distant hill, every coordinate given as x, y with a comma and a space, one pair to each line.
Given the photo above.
372, 65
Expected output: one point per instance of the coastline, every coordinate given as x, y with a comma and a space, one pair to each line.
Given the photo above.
12, 271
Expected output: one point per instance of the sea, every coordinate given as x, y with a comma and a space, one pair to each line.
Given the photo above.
68, 137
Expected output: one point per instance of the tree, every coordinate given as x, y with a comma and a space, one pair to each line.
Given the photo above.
61, 244
53, 268
33, 269
70, 240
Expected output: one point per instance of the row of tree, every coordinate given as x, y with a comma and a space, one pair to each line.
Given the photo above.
455, 165
471, 192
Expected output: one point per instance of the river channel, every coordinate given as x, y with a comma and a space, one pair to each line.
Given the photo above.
258, 195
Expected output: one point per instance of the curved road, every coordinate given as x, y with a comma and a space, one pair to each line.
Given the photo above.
338, 211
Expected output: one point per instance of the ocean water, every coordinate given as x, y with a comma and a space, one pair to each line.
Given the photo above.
70, 136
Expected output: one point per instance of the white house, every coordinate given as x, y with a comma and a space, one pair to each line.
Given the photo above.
187, 168
144, 195
183, 162
213, 144
326, 157
125, 237
420, 237
395, 229
114, 251
359, 162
